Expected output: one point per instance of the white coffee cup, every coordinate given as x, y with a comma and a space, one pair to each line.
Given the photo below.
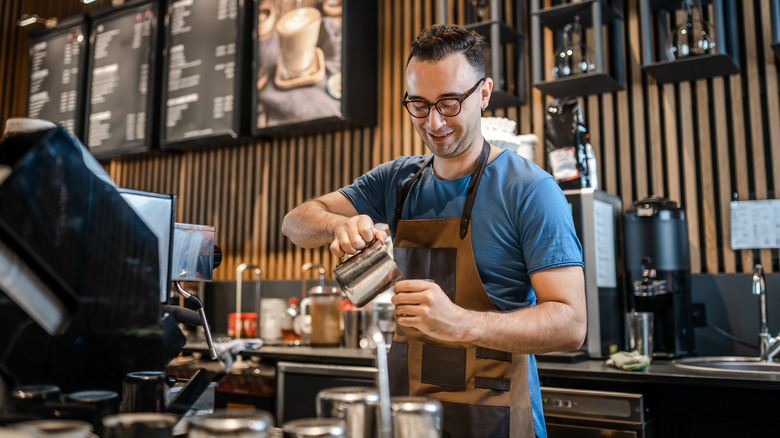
271, 318
299, 31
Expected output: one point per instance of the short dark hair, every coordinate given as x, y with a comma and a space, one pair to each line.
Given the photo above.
438, 41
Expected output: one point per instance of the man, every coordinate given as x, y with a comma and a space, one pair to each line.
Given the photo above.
485, 240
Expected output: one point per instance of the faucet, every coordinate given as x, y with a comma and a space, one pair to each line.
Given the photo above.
239, 280
769, 347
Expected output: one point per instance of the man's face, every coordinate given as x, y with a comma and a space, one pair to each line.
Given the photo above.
447, 137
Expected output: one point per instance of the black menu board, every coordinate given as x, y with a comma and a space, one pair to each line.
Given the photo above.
201, 70
120, 112
55, 81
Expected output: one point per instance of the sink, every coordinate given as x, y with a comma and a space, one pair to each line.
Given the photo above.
729, 364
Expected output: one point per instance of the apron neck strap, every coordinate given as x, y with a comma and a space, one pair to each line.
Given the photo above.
471, 191
402, 190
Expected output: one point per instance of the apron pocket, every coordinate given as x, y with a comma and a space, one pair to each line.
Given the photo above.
444, 366
398, 372
437, 264
469, 421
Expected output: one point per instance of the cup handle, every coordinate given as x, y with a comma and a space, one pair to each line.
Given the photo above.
305, 317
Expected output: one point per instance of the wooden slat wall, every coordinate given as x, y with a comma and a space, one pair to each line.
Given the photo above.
695, 142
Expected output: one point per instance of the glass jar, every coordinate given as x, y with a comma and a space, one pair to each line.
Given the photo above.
573, 57
694, 36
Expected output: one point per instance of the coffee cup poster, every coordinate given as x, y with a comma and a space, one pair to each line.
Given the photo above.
298, 61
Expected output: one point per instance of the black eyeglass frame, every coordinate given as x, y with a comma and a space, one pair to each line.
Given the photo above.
460, 100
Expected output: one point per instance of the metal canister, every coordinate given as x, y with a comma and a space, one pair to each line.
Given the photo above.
418, 417
139, 425
31, 398
358, 406
144, 391
231, 423
315, 428
97, 404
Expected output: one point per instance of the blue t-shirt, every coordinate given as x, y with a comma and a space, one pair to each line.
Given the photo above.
520, 223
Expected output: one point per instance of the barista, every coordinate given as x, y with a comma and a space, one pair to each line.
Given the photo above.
490, 228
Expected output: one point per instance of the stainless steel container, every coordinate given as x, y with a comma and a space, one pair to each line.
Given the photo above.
358, 406
144, 391
315, 428
367, 274
28, 398
139, 425
231, 423
416, 417
55, 428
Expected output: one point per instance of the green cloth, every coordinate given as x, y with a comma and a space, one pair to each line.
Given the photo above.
628, 361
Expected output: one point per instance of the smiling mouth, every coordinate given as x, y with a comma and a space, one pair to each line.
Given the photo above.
438, 136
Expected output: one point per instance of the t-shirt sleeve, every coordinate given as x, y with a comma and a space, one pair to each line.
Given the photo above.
370, 191
547, 229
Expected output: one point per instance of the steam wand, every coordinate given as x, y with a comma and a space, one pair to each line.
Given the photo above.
383, 381
199, 305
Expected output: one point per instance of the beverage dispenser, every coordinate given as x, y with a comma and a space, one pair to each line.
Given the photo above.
658, 272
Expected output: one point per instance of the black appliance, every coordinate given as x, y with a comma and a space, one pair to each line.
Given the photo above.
658, 273
579, 413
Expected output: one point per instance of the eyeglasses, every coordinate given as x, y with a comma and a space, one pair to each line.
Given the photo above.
448, 106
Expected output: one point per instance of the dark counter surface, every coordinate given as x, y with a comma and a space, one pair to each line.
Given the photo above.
659, 371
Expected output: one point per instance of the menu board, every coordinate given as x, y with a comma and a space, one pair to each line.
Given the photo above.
120, 111
56, 75
201, 70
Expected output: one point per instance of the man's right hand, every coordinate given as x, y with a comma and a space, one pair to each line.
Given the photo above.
354, 234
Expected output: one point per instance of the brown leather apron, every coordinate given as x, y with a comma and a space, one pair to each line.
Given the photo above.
484, 392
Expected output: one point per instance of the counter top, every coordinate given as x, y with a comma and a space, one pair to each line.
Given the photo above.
659, 371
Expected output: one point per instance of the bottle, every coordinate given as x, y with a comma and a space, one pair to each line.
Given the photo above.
289, 335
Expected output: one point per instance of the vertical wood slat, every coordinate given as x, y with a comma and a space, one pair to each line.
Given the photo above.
637, 144
755, 120
723, 164
705, 177
689, 175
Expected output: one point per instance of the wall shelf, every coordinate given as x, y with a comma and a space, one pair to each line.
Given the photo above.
593, 14
723, 61
505, 93
556, 17
508, 83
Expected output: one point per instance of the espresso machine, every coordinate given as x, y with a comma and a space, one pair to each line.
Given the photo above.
658, 273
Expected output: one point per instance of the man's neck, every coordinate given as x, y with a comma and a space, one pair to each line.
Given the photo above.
456, 167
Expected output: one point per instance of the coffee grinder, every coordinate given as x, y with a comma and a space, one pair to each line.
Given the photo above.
658, 273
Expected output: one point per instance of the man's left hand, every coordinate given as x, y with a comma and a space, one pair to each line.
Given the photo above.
422, 305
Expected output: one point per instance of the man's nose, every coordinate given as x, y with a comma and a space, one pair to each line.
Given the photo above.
435, 120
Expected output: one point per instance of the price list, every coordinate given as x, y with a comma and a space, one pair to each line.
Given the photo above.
199, 73
119, 91
54, 83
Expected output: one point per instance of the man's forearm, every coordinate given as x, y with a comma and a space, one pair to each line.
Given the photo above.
311, 224
540, 329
